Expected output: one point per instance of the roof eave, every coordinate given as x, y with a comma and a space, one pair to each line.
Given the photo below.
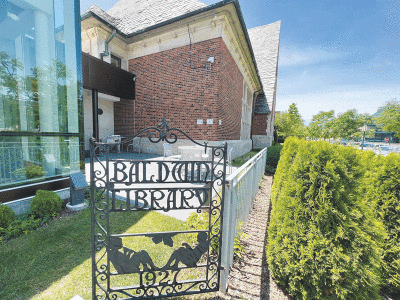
205, 9
246, 35
181, 17
89, 14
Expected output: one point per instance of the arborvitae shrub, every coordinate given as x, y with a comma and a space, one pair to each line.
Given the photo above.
46, 203
287, 154
7, 215
383, 192
273, 155
322, 233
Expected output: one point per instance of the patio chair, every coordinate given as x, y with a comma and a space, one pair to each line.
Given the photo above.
169, 154
136, 143
114, 141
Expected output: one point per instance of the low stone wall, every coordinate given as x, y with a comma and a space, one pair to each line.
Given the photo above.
262, 141
239, 147
22, 206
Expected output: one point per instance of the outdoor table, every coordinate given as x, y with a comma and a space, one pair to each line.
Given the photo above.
115, 140
192, 153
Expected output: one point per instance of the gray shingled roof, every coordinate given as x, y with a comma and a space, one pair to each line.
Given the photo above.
265, 44
102, 14
130, 16
261, 106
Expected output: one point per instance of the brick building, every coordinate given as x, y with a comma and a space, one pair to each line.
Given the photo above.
196, 65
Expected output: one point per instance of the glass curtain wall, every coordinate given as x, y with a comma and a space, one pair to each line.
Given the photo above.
40, 90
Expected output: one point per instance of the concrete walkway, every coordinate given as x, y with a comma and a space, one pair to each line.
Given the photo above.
249, 277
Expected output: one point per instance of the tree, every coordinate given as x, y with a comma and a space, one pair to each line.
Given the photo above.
321, 125
347, 124
9, 92
366, 119
290, 123
389, 117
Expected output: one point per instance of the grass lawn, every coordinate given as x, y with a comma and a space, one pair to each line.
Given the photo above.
54, 262
241, 160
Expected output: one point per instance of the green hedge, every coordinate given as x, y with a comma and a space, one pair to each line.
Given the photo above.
322, 237
286, 157
273, 155
382, 188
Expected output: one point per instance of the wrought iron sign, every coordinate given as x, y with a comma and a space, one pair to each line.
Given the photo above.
190, 261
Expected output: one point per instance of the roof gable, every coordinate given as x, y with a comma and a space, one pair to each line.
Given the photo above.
135, 15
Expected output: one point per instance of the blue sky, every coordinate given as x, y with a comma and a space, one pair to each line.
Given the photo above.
333, 54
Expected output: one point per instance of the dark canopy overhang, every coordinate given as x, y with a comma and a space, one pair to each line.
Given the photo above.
106, 78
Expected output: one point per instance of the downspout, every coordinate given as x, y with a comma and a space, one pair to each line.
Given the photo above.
106, 53
252, 115
95, 94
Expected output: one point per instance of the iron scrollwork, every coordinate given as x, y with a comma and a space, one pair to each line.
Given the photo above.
129, 261
204, 191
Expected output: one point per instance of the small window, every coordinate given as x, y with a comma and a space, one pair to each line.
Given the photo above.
116, 61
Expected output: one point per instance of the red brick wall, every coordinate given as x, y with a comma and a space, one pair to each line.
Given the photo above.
176, 85
231, 97
259, 124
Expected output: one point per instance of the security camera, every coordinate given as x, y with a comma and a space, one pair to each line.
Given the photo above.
211, 60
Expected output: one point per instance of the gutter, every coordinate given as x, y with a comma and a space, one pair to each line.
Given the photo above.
182, 17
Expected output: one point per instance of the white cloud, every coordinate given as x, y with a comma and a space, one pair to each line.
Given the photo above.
292, 56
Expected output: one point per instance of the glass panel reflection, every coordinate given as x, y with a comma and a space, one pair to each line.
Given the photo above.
40, 90
31, 159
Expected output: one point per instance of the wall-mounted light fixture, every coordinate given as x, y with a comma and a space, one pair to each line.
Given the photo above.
210, 61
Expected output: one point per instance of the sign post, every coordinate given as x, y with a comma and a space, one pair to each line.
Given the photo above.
363, 129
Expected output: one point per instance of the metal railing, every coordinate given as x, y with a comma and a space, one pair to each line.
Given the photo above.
15, 155
240, 190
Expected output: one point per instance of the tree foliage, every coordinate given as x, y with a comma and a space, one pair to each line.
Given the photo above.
389, 117
9, 92
322, 238
347, 124
290, 123
325, 125
365, 119
321, 125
